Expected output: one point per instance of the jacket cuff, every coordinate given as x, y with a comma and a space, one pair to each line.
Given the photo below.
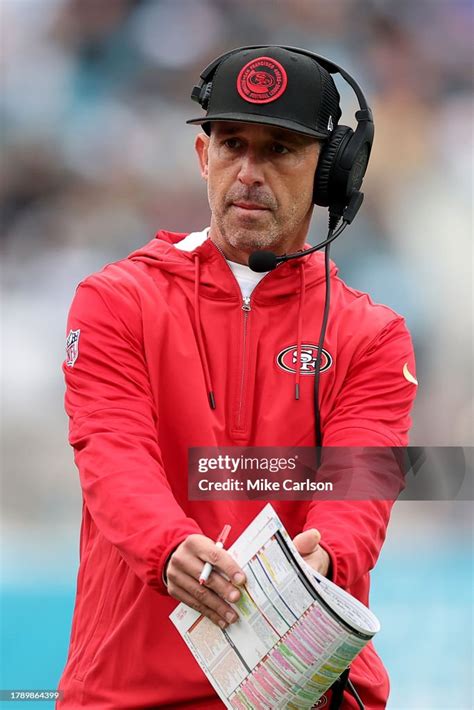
165, 567
159, 583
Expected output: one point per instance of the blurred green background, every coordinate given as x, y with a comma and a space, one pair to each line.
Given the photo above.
96, 157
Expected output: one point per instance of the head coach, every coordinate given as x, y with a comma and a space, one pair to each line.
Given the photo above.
182, 344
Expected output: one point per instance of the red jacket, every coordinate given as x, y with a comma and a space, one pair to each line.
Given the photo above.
158, 330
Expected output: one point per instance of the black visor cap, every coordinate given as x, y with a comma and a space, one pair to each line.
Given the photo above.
304, 100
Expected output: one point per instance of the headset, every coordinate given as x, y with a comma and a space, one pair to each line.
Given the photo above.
344, 155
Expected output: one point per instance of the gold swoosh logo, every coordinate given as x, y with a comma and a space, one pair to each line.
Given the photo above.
408, 376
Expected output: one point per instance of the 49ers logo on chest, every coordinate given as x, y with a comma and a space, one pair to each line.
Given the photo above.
287, 359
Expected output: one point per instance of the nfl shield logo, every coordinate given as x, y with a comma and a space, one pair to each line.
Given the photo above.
72, 347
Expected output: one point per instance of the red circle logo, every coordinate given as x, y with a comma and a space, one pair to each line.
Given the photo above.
262, 80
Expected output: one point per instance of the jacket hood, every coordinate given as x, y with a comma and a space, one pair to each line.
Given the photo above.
216, 278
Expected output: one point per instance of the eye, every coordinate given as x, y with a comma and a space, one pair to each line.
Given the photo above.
280, 149
232, 143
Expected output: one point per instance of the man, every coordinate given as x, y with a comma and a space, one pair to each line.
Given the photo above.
180, 345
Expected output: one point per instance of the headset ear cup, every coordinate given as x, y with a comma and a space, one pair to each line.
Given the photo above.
327, 160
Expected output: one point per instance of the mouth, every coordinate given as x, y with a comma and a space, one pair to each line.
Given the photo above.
249, 207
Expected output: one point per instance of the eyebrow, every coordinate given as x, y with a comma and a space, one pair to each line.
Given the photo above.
276, 134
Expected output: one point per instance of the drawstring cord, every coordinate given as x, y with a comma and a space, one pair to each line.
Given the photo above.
200, 339
299, 332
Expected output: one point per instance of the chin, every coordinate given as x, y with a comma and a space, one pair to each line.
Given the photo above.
249, 237
251, 242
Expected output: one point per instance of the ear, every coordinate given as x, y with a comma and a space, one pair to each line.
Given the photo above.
201, 145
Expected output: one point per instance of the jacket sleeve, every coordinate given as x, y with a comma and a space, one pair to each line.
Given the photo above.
372, 410
113, 429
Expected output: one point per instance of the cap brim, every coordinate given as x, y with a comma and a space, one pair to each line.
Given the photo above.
266, 120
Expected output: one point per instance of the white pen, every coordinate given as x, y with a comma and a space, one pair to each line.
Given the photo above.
220, 542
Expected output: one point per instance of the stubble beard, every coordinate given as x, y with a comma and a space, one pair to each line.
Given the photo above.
248, 238
253, 236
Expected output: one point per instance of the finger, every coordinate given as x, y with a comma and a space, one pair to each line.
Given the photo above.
307, 541
192, 566
179, 583
222, 587
202, 609
207, 551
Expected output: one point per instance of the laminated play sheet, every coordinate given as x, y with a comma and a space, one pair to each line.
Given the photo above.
296, 634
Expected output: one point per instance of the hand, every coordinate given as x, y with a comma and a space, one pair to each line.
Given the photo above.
307, 544
184, 568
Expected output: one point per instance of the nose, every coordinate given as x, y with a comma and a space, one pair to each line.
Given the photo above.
251, 169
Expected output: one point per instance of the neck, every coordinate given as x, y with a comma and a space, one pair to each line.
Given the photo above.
240, 254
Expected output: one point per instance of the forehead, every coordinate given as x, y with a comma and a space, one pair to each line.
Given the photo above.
259, 131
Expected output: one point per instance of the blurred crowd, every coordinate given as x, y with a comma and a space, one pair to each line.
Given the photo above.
96, 157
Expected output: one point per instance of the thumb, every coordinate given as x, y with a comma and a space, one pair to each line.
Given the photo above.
307, 541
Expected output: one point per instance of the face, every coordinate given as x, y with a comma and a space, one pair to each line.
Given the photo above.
260, 187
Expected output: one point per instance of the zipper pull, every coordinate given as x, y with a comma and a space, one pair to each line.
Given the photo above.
246, 304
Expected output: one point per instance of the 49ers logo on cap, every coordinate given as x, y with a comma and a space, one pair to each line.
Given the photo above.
262, 80
287, 359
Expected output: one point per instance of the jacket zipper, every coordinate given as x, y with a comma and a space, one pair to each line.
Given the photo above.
246, 308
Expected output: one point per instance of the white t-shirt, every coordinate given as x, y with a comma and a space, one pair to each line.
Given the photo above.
246, 278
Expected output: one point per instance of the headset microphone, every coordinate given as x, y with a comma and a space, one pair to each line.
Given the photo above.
262, 261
